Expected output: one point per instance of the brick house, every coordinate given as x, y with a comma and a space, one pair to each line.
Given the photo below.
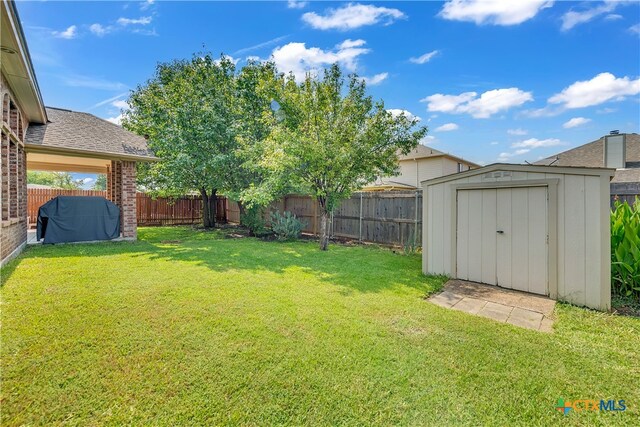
37, 137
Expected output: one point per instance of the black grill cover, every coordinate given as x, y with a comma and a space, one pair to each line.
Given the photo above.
78, 219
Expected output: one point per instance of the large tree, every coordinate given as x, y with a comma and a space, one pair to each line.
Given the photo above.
186, 112
62, 180
333, 138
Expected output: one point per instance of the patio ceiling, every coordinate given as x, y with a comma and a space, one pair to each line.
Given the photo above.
66, 163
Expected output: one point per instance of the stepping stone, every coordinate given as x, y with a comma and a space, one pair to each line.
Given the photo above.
445, 299
470, 305
495, 311
525, 318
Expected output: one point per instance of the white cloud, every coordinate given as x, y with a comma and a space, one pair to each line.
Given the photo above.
494, 143
99, 30
121, 104
574, 122
375, 79
447, 103
602, 88
423, 59
503, 157
573, 18
489, 103
70, 33
518, 132
298, 59
613, 17
87, 181
146, 4
496, 12
635, 29
447, 127
143, 20
537, 143
429, 139
115, 120
395, 112
352, 16
229, 57
297, 4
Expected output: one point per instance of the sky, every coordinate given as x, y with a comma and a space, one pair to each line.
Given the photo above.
494, 80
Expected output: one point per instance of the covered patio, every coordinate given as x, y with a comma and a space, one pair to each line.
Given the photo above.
80, 142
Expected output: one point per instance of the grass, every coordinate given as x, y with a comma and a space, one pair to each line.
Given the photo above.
191, 328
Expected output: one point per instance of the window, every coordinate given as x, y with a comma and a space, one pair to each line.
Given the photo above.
460, 167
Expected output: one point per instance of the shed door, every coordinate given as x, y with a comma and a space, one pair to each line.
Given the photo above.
502, 237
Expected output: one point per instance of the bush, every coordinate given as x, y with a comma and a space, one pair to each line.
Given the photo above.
625, 249
253, 219
287, 226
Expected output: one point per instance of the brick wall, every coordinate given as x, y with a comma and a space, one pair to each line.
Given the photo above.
13, 174
121, 190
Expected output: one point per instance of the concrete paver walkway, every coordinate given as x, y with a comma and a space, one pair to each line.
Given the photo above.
503, 305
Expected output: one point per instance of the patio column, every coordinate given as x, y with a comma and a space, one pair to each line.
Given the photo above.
128, 200
121, 190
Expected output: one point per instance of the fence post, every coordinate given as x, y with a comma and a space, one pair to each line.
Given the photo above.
360, 220
415, 222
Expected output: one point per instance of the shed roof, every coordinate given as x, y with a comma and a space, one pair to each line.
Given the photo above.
568, 170
75, 132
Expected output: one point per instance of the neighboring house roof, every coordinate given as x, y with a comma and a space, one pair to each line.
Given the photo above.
591, 155
83, 133
387, 185
423, 152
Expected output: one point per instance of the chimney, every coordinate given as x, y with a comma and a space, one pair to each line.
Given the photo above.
615, 150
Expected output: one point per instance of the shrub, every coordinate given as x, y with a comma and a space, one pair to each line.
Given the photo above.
625, 249
253, 219
287, 226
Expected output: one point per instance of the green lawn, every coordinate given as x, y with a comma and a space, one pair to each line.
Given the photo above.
191, 328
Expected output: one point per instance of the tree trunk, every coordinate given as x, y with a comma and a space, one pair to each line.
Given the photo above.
208, 208
241, 212
213, 206
324, 230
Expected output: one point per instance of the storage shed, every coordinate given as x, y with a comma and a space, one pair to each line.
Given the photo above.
538, 229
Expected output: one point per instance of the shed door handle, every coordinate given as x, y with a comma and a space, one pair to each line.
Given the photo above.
500, 232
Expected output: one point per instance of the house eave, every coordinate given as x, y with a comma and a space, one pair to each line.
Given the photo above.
17, 67
35, 148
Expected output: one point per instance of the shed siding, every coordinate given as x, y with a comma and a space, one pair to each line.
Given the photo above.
581, 233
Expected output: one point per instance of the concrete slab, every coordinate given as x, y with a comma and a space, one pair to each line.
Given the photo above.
446, 299
503, 305
470, 305
495, 311
525, 318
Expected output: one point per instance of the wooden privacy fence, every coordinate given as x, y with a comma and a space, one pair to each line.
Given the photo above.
624, 191
391, 218
159, 211
183, 210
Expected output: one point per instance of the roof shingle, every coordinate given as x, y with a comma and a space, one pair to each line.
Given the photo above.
72, 130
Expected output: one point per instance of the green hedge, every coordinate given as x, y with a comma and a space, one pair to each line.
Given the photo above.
625, 249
